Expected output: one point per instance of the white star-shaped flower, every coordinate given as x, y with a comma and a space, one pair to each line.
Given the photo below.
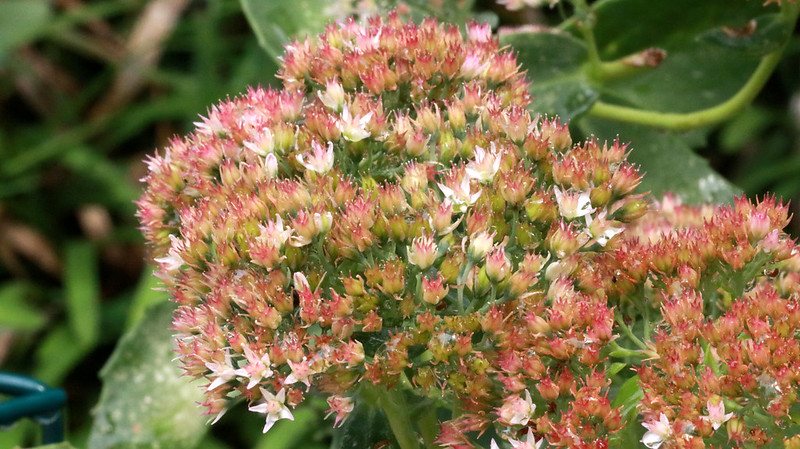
485, 165
716, 414
573, 204
459, 194
319, 160
354, 129
657, 432
222, 371
274, 406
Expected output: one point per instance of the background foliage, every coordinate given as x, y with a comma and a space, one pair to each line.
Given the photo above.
88, 88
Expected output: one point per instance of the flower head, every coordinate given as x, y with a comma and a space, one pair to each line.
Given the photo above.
274, 406
716, 414
657, 432
320, 160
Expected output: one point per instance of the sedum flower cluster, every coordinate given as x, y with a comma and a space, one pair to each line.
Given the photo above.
725, 360
394, 219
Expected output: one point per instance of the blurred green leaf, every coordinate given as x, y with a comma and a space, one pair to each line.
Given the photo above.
64, 445
365, 427
82, 290
20, 22
57, 355
624, 27
554, 63
276, 22
91, 165
745, 128
668, 163
145, 401
148, 291
16, 313
289, 434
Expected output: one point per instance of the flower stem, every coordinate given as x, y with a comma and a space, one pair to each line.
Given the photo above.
396, 410
709, 116
629, 333
462, 276
619, 351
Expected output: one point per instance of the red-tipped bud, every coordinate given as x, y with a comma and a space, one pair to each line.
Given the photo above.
497, 264
434, 289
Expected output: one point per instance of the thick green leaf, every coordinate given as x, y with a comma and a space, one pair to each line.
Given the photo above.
693, 76
628, 397
769, 33
554, 63
145, 402
628, 26
82, 289
668, 163
365, 427
16, 313
704, 66
277, 22
20, 22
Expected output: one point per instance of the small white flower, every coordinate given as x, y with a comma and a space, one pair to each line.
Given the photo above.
657, 432
460, 194
320, 160
274, 407
517, 411
573, 205
529, 443
333, 97
275, 233
301, 371
353, 129
716, 414
485, 165
257, 368
222, 372
172, 262
262, 144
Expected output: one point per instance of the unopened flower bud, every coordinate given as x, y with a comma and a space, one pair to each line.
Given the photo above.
497, 264
422, 251
434, 289
548, 389
479, 245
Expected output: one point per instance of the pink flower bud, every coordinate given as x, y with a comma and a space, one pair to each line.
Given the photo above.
434, 289
422, 251
497, 264
479, 245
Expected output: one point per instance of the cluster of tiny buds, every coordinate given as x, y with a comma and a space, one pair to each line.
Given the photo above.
395, 216
725, 281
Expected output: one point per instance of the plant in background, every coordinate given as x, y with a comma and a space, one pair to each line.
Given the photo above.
394, 230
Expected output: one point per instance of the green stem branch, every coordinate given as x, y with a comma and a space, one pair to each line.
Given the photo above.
396, 410
629, 333
708, 116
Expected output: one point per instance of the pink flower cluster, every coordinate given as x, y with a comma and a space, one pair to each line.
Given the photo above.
395, 216
725, 280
